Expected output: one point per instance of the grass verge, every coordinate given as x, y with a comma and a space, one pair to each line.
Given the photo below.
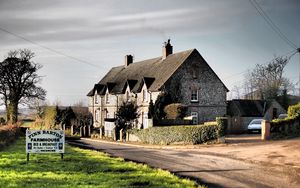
79, 168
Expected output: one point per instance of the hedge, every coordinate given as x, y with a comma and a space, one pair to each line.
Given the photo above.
193, 134
288, 127
8, 134
294, 110
222, 126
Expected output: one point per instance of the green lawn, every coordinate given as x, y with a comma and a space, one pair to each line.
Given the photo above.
79, 168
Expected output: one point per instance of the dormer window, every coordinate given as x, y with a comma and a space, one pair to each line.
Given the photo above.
96, 98
194, 96
145, 95
107, 98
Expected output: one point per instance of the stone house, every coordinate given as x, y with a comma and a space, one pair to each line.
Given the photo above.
185, 75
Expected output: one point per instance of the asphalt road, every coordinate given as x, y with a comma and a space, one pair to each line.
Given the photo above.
212, 169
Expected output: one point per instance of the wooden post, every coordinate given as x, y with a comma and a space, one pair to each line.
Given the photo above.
84, 131
89, 130
27, 157
121, 135
72, 130
62, 156
100, 132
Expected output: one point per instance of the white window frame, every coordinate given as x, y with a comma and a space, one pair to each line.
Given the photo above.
107, 98
96, 98
145, 95
193, 93
195, 118
97, 115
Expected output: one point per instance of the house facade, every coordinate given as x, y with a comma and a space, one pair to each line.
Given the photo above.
186, 76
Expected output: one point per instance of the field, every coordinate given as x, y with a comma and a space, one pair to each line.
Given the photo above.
79, 168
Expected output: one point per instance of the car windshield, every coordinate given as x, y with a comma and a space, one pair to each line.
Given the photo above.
256, 121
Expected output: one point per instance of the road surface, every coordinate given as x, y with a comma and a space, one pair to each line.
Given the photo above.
205, 165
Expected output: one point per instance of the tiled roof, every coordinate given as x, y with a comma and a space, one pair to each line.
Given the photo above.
154, 72
247, 108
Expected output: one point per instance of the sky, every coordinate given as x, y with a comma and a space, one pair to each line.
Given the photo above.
79, 41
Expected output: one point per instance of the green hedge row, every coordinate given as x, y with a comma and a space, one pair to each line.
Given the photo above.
288, 127
8, 134
294, 110
195, 134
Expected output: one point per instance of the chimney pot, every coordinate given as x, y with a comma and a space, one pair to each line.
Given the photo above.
128, 60
167, 49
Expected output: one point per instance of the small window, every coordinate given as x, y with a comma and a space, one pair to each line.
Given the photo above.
145, 95
195, 118
194, 96
107, 98
96, 98
97, 115
194, 73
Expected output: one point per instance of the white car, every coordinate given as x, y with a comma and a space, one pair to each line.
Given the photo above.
282, 116
255, 126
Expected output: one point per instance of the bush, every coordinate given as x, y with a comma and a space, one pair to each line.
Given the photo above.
222, 126
294, 110
8, 134
284, 128
196, 134
175, 111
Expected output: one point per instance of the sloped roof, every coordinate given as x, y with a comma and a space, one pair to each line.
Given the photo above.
154, 72
248, 108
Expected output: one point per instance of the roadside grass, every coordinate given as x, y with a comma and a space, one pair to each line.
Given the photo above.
27, 123
79, 168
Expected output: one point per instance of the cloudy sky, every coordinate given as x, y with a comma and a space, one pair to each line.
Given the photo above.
78, 41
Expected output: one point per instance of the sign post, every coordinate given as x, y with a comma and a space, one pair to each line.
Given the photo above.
45, 141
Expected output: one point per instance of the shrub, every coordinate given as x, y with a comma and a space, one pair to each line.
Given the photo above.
196, 134
294, 110
175, 110
222, 126
8, 134
288, 127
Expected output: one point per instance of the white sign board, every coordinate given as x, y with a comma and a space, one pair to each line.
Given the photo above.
45, 141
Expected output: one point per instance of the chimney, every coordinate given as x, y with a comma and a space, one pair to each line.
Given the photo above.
128, 60
167, 49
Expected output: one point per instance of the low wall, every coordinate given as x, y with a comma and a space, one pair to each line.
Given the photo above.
289, 127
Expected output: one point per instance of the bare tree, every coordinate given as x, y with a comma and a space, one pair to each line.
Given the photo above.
18, 81
236, 92
267, 80
38, 105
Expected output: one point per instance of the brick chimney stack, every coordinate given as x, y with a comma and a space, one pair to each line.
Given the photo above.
128, 60
167, 49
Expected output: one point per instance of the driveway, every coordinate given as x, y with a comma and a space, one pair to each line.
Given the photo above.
236, 164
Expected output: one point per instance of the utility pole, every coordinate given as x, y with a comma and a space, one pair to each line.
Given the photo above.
298, 50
